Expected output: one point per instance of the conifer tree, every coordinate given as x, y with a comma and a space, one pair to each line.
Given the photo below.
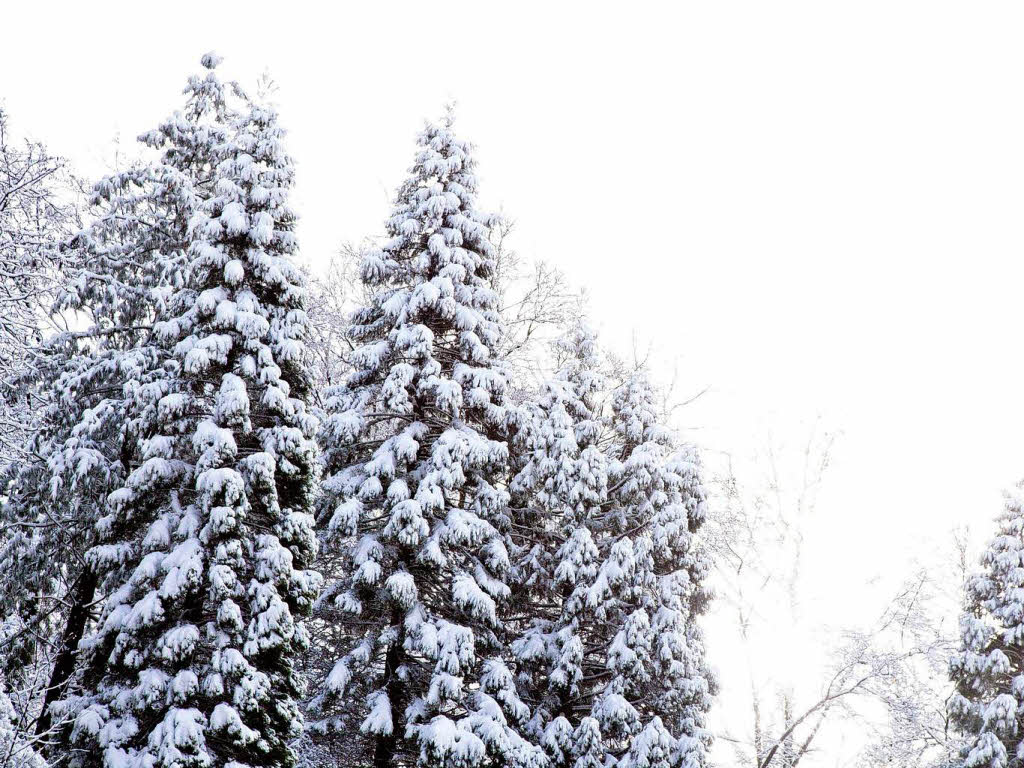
560, 489
613, 654
202, 549
415, 521
653, 580
118, 273
988, 670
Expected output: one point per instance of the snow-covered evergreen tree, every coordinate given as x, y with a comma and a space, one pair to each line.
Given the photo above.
613, 654
559, 489
988, 670
118, 273
202, 550
415, 521
654, 580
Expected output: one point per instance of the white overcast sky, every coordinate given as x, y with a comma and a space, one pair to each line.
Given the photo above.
813, 207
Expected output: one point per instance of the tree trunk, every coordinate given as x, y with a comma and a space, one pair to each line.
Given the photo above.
85, 590
386, 746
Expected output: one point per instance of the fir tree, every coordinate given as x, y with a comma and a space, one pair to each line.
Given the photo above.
988, 670
653, 583
559, 489
415, 520
202, 549
613, 654
118, 274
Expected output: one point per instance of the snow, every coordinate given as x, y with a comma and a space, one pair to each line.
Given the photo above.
378, 721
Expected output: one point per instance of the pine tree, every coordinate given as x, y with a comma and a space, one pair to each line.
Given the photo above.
988, 670
202, 549
415, 522
613, 654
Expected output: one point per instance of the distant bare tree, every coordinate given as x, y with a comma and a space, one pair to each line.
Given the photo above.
537, 303
329, 299
915, 731
895, 666
756, 534
38, 208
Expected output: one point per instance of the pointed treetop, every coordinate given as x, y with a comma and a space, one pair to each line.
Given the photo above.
448, 120
211, 60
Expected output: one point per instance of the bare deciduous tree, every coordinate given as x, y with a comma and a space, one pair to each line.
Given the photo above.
757, 533
915, 730
885, 681
38, 208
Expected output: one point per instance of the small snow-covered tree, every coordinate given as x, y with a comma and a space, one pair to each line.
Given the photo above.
415, 522
612, 652
560, 489
988, 670
202, 550
651, 585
